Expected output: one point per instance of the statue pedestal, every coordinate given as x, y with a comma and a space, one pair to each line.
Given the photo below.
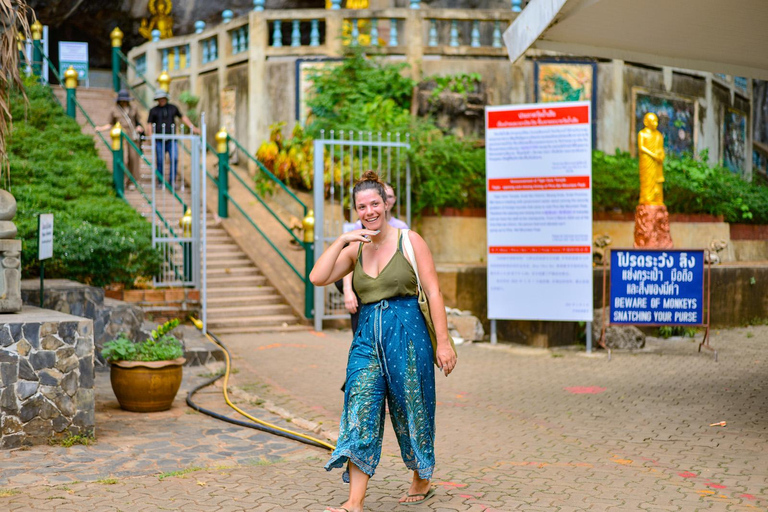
652, 227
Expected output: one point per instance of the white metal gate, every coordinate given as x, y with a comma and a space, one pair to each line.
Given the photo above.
178, 210
338, 162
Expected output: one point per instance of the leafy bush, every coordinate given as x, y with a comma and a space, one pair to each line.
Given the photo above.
691, 186
160, 346
99, 239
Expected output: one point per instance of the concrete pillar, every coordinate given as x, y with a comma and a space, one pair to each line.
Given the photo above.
258, 99
414, 41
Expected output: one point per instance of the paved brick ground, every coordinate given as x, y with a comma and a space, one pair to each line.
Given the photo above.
518, 429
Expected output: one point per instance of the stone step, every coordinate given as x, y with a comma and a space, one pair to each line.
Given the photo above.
239, 291
243, 300
261, 329
251, 321
252, 280
216, 263
258, 310
233, 271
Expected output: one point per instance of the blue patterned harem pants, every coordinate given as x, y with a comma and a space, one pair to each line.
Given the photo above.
390, 357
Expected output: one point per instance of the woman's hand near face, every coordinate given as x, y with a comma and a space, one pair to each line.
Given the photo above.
358, 235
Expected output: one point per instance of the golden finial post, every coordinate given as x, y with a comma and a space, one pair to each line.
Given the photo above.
185, 223
37, 48
223, 153
117, 42
309, 261
164, 81
118, 172
70, 85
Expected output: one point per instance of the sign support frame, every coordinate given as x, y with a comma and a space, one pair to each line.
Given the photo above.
607, 321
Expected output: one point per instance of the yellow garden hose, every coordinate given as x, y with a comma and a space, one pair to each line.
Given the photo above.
269, 426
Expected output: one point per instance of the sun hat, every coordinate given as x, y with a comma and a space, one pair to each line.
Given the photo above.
123, 95
160, 94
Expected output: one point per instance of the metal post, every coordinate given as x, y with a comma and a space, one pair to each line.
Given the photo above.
319, 234
117, 160
223, 153
117, 42
309, 261
494, 337
37, 48
70, 85
589, 337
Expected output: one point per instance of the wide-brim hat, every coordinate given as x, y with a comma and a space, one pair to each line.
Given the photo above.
123, 95
160, 94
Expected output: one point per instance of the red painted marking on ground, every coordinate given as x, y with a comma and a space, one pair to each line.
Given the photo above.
715, 486
585, 390
318, 334
687, 474
747, 496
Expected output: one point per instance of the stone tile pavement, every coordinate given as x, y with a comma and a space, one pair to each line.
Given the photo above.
518, 429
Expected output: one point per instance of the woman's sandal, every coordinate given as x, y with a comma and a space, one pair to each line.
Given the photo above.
425, 495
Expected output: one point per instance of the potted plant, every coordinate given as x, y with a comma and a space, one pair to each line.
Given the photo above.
146, 376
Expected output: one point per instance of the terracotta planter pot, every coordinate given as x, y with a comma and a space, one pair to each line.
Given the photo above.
146, 386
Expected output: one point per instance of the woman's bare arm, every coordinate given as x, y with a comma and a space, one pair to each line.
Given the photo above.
446, 358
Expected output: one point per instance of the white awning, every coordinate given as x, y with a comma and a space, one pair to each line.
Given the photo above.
720, 36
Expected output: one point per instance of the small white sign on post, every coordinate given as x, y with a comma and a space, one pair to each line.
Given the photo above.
76, 55
45, 233
539, 211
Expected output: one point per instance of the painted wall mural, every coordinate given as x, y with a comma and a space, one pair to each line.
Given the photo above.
678, 118
735, 141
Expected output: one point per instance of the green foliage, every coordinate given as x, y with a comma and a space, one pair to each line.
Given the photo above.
691, 186
190, 101
72, 439
160, 346
363, 94
360, 94
667, 331
461, 83
99, 239
450, 172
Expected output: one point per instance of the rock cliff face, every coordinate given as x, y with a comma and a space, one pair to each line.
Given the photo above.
92, 20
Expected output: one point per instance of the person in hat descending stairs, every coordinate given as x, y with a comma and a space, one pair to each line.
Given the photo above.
162, 120
128, 117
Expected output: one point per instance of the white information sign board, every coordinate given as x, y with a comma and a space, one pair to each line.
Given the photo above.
74, 54
45, 234
539, 211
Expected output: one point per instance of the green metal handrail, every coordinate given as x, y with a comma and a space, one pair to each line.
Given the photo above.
90, 122
162, 178
271, 244
263, 203
269, 173
135, 70
147, 199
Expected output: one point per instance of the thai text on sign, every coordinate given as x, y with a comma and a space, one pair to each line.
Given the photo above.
657, 287
539, 211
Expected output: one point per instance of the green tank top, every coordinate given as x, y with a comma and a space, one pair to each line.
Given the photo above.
397, 278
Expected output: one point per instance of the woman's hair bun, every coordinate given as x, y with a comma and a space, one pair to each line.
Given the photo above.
369, 175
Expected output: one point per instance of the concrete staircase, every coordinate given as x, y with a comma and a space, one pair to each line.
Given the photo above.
240, 298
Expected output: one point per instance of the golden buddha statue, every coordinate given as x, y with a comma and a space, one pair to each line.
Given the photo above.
651, 216
650, 145
161, 19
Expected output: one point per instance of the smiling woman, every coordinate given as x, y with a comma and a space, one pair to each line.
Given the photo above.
391, 355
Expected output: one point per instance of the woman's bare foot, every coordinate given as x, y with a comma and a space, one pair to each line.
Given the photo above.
418, 491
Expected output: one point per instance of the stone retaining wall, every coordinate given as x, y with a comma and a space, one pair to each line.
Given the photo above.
110, 317
46, 376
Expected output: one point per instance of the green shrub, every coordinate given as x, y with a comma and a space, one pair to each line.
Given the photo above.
691, 186
160, 346
99, 239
